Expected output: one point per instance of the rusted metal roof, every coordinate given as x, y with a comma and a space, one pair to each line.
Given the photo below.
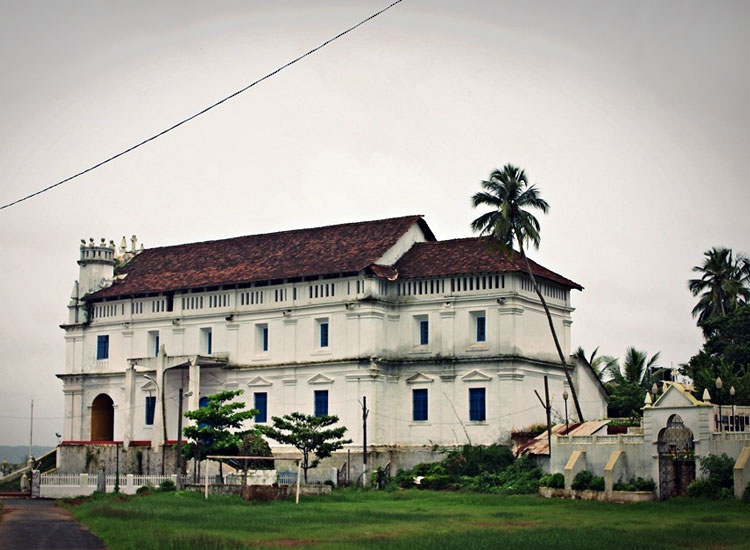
540, 444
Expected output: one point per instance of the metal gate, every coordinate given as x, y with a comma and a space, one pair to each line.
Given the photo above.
676, 458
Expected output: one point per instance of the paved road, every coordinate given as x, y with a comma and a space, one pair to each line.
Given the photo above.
36, 524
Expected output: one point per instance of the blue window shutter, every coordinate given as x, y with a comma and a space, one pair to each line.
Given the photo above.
102, 346
156, 346
477, 405
424, 333
264, 338
209, 342
324, 335
150, 407
419, 404
321, 402
261, 404
481, 328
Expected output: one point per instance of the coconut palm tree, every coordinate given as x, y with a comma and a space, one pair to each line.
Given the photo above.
598, 364
724, 284
508, 194
635, 369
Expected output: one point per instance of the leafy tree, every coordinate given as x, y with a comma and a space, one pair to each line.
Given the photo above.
309, 434
217, 427
725, 354
630, 381
508, 194
723, 286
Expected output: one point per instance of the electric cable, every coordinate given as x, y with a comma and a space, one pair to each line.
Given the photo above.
203, 111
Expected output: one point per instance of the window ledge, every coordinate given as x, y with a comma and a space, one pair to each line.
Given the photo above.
419, 423
321, 351
265, 356
477, 423
478, 346
423, 350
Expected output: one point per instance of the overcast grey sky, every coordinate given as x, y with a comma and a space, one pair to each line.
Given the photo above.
632, 117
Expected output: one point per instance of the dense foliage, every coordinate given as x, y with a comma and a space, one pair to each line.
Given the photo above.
489, 469
635, 484
554, 481
630, 381
725, 354
718, 480
310, 434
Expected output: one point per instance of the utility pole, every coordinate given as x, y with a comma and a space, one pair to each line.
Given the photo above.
365, 412
31, 428
547, 408
178, 466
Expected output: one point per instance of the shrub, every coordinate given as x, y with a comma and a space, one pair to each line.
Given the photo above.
597, 483
582, 480
470, 460
635, 484
746, 495
555, 481
167, 485
718, 482
144, 489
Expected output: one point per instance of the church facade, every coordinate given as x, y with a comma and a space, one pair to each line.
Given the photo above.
446, 340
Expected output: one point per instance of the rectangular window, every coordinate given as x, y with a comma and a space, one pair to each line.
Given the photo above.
261, 338
424, 332
481, 322
323, 333
477, 405
321, 402
261, 405
206, 341
419, 405
102, 346
153, 343
150, 408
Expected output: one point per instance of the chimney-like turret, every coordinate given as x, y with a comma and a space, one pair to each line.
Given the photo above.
96, 269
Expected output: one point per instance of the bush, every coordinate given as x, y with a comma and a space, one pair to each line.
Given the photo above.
554, 481
596, 484
167, 485
144, 489
718, 482
635, 484
746, 495
582, 480
470, 460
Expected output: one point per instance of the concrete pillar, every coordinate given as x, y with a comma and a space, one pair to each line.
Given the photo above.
194, 384
157, 434
613, 468
575, 464
127, 435
742, 472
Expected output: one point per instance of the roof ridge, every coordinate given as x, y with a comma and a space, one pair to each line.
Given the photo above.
287, 231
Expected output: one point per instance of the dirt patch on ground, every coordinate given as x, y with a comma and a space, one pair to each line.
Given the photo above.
284, 543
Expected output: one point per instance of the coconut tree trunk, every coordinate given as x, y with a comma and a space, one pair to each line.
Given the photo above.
552, 329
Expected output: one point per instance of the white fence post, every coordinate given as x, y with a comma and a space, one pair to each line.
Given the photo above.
84, 481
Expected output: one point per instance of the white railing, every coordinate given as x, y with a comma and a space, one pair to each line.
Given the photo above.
62, 480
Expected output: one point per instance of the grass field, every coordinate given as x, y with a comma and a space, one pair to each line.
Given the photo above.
412, 520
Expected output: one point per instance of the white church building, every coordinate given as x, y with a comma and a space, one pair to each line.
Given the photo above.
446, 340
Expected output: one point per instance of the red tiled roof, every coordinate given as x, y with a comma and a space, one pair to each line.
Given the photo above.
462, 256
341, 248
540, 444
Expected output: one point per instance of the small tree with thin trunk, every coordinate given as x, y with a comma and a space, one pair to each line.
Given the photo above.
508, 193
217, 427
308, 433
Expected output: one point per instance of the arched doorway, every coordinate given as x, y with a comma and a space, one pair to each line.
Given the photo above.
102, 418
676, 458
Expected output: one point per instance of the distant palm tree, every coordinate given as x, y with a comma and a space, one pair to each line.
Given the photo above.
508, 193
636, 369
598, 364
724, 284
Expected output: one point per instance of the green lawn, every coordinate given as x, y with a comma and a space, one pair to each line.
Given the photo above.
412, 520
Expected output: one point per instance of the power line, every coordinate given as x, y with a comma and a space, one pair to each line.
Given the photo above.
204, 111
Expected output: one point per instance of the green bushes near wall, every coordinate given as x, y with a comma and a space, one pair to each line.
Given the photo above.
487, 469
718, 480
